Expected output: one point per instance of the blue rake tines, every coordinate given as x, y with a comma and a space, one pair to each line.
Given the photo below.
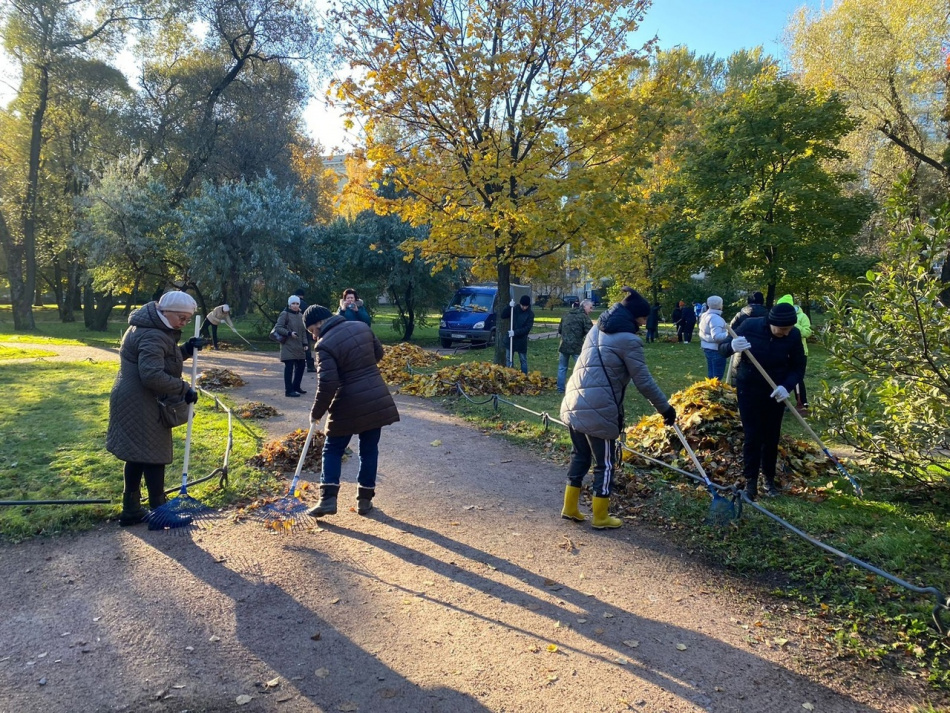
285, 514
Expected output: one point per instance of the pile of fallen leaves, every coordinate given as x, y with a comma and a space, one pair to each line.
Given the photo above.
396, 360
708, 414
478, 378
213, 379
282, 454
256, 409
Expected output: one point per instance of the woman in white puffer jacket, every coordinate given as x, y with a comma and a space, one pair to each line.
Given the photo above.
712, 333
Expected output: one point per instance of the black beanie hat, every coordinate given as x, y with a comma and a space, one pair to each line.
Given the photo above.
757, 298
525, 300
783, 315
314, 314
634, 302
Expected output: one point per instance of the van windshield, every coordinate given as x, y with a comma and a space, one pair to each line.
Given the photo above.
472, 301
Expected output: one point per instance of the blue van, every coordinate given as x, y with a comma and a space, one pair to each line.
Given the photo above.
469, 317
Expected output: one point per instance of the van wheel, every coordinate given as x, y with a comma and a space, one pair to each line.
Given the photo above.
491, 339
446, 343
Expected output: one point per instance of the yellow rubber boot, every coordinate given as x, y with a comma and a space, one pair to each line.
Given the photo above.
570, 511
601, 520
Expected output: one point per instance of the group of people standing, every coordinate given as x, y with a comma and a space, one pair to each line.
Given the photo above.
349, 388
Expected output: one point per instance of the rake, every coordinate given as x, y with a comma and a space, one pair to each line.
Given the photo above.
285, 514
801, 419
183, 509
722, 511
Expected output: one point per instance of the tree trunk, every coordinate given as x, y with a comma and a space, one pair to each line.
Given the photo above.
770, 296
103, 309
503, 313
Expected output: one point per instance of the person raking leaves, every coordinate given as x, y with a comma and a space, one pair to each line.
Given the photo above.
592, 408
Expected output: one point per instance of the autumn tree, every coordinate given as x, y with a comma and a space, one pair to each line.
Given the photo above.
480, 112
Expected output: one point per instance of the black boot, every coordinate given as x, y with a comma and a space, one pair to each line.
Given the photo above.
364, 500
751, 488
772, 490
327, 504
155, 484
132, 511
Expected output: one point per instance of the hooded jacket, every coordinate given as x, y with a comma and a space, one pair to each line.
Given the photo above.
782, 357
803, 323
521, 324
743, 314
150, 366
349, 385
611, 357
573, 328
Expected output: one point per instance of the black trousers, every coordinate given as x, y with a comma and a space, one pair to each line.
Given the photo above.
213, 328
293, 374
800, 395
590, 449
154, 481
762, 425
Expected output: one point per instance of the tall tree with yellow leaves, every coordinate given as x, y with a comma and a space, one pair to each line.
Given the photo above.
480, 111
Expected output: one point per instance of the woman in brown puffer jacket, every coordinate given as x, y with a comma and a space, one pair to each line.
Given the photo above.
150, 366
352, 391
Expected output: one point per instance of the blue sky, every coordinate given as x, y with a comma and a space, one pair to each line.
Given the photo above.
721, 26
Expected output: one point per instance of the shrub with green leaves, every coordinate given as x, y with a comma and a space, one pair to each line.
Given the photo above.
891, 346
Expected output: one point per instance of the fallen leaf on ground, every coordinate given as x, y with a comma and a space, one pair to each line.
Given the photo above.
608, 615
632, 643
552, 648
582, 621
243, 699
316, 637
681, 647
780, 641
274, 682
436, 443
321, 673
808, 706
214, 639
347, 707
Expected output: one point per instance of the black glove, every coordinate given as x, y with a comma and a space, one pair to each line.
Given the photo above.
669, 416
191, 396
189, 347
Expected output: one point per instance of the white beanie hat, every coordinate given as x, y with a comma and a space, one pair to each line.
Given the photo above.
225, 308
177, 301
714, 302
293, 300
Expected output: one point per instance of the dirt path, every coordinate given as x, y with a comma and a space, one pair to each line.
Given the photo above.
464, 591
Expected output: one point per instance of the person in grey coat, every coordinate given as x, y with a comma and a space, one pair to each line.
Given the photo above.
351, 391
150, 366
293, 352
592, 408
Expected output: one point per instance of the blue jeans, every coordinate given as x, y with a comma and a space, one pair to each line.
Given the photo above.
563, 364
522, 357
715, 364
333, 449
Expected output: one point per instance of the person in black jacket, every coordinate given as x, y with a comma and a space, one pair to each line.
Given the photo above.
755, 308
688, 321
309, 353
777, 345
521, 326
653, 322
677, 318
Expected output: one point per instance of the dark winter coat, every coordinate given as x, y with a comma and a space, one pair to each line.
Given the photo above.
150, 365
295, 347
746, 312
349, 385
573, 328
653, 320
688, 318
352, 315
611, 357
522, 324
676, 315
783, 358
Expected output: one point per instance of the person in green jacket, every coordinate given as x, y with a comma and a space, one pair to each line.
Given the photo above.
573, 329
804, 326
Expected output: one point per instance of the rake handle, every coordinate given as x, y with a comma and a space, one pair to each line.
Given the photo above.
191, 410
801, 419
692, 456
303, 456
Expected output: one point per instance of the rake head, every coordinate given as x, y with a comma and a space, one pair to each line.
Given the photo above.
722, 511
180, 511
283, 515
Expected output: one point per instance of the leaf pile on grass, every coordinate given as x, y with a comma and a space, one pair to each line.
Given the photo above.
256, 409
393, 365
213, 379
708, 414
479, 378
282, 454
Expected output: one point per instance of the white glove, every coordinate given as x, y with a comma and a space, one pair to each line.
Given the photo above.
511, 333
780, 394
740, 344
